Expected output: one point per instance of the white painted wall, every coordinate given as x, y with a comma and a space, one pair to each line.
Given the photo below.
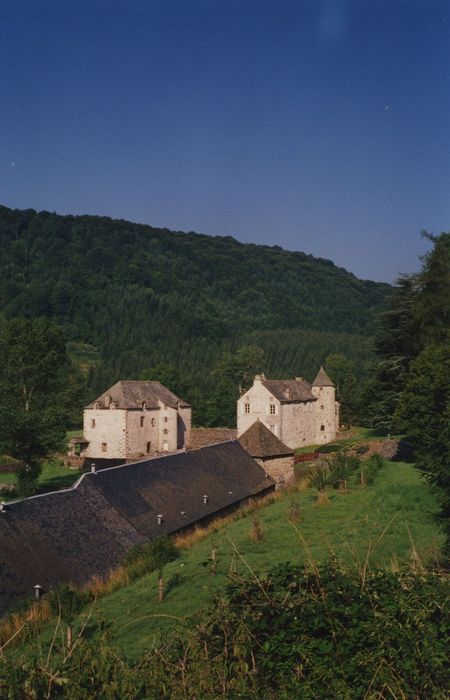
295, 424
110, 428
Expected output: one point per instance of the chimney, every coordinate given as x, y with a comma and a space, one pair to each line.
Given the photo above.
160, 519
93, 468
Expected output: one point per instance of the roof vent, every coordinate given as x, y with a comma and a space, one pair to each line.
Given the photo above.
2, 507
182, 512
93, 468
37, 591
230, 492
205, 499
159, 518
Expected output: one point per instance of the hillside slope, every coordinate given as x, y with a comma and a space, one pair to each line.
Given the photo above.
138, 295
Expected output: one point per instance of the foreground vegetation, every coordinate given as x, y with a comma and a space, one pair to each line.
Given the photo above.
355, 614
321, 632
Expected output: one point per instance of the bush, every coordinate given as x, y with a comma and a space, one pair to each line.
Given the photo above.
341, 467
370, 468
319, 477
143, 559
303, 634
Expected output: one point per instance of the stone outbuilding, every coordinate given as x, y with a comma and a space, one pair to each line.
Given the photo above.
133, 419
71, 535
297, 412
276, 458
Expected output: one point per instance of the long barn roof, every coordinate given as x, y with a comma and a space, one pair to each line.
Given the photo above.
72, 535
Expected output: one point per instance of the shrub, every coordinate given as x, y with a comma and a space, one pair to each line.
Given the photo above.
297, 633
370, 468
152, 556
341, 467
319, 477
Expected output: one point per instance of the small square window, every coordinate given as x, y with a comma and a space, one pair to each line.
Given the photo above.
246, 408
104, 446
322, 427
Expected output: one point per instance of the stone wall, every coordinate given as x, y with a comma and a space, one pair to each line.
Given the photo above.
280, 469
295, 424
105, 427
259, 399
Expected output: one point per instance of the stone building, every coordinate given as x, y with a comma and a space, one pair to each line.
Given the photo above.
134, 419
72, 535
297, 412
272, 455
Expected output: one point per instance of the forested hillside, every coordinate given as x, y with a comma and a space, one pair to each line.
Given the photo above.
129, 297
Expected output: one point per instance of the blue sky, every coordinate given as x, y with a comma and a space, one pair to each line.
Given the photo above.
320, 126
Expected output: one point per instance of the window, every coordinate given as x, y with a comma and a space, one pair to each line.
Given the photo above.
149, 444
321, 407
246, 408
165, 419
322, 427
272, 428
104, 446
165, 431
272, 409
141, 421
93, 423
153, 422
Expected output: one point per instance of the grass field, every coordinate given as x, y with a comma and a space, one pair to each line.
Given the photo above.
387, 525
54, 476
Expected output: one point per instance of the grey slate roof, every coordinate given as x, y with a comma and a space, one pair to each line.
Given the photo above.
72, 535
66, 536
290, 390
260, 442
178, 482
132, 394
322, 379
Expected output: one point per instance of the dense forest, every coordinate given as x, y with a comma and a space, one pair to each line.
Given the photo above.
130, 298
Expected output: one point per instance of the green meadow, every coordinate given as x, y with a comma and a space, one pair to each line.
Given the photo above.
387, 525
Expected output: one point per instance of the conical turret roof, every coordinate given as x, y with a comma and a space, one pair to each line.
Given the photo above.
322, 379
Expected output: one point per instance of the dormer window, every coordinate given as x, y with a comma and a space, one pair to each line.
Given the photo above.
246, 408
